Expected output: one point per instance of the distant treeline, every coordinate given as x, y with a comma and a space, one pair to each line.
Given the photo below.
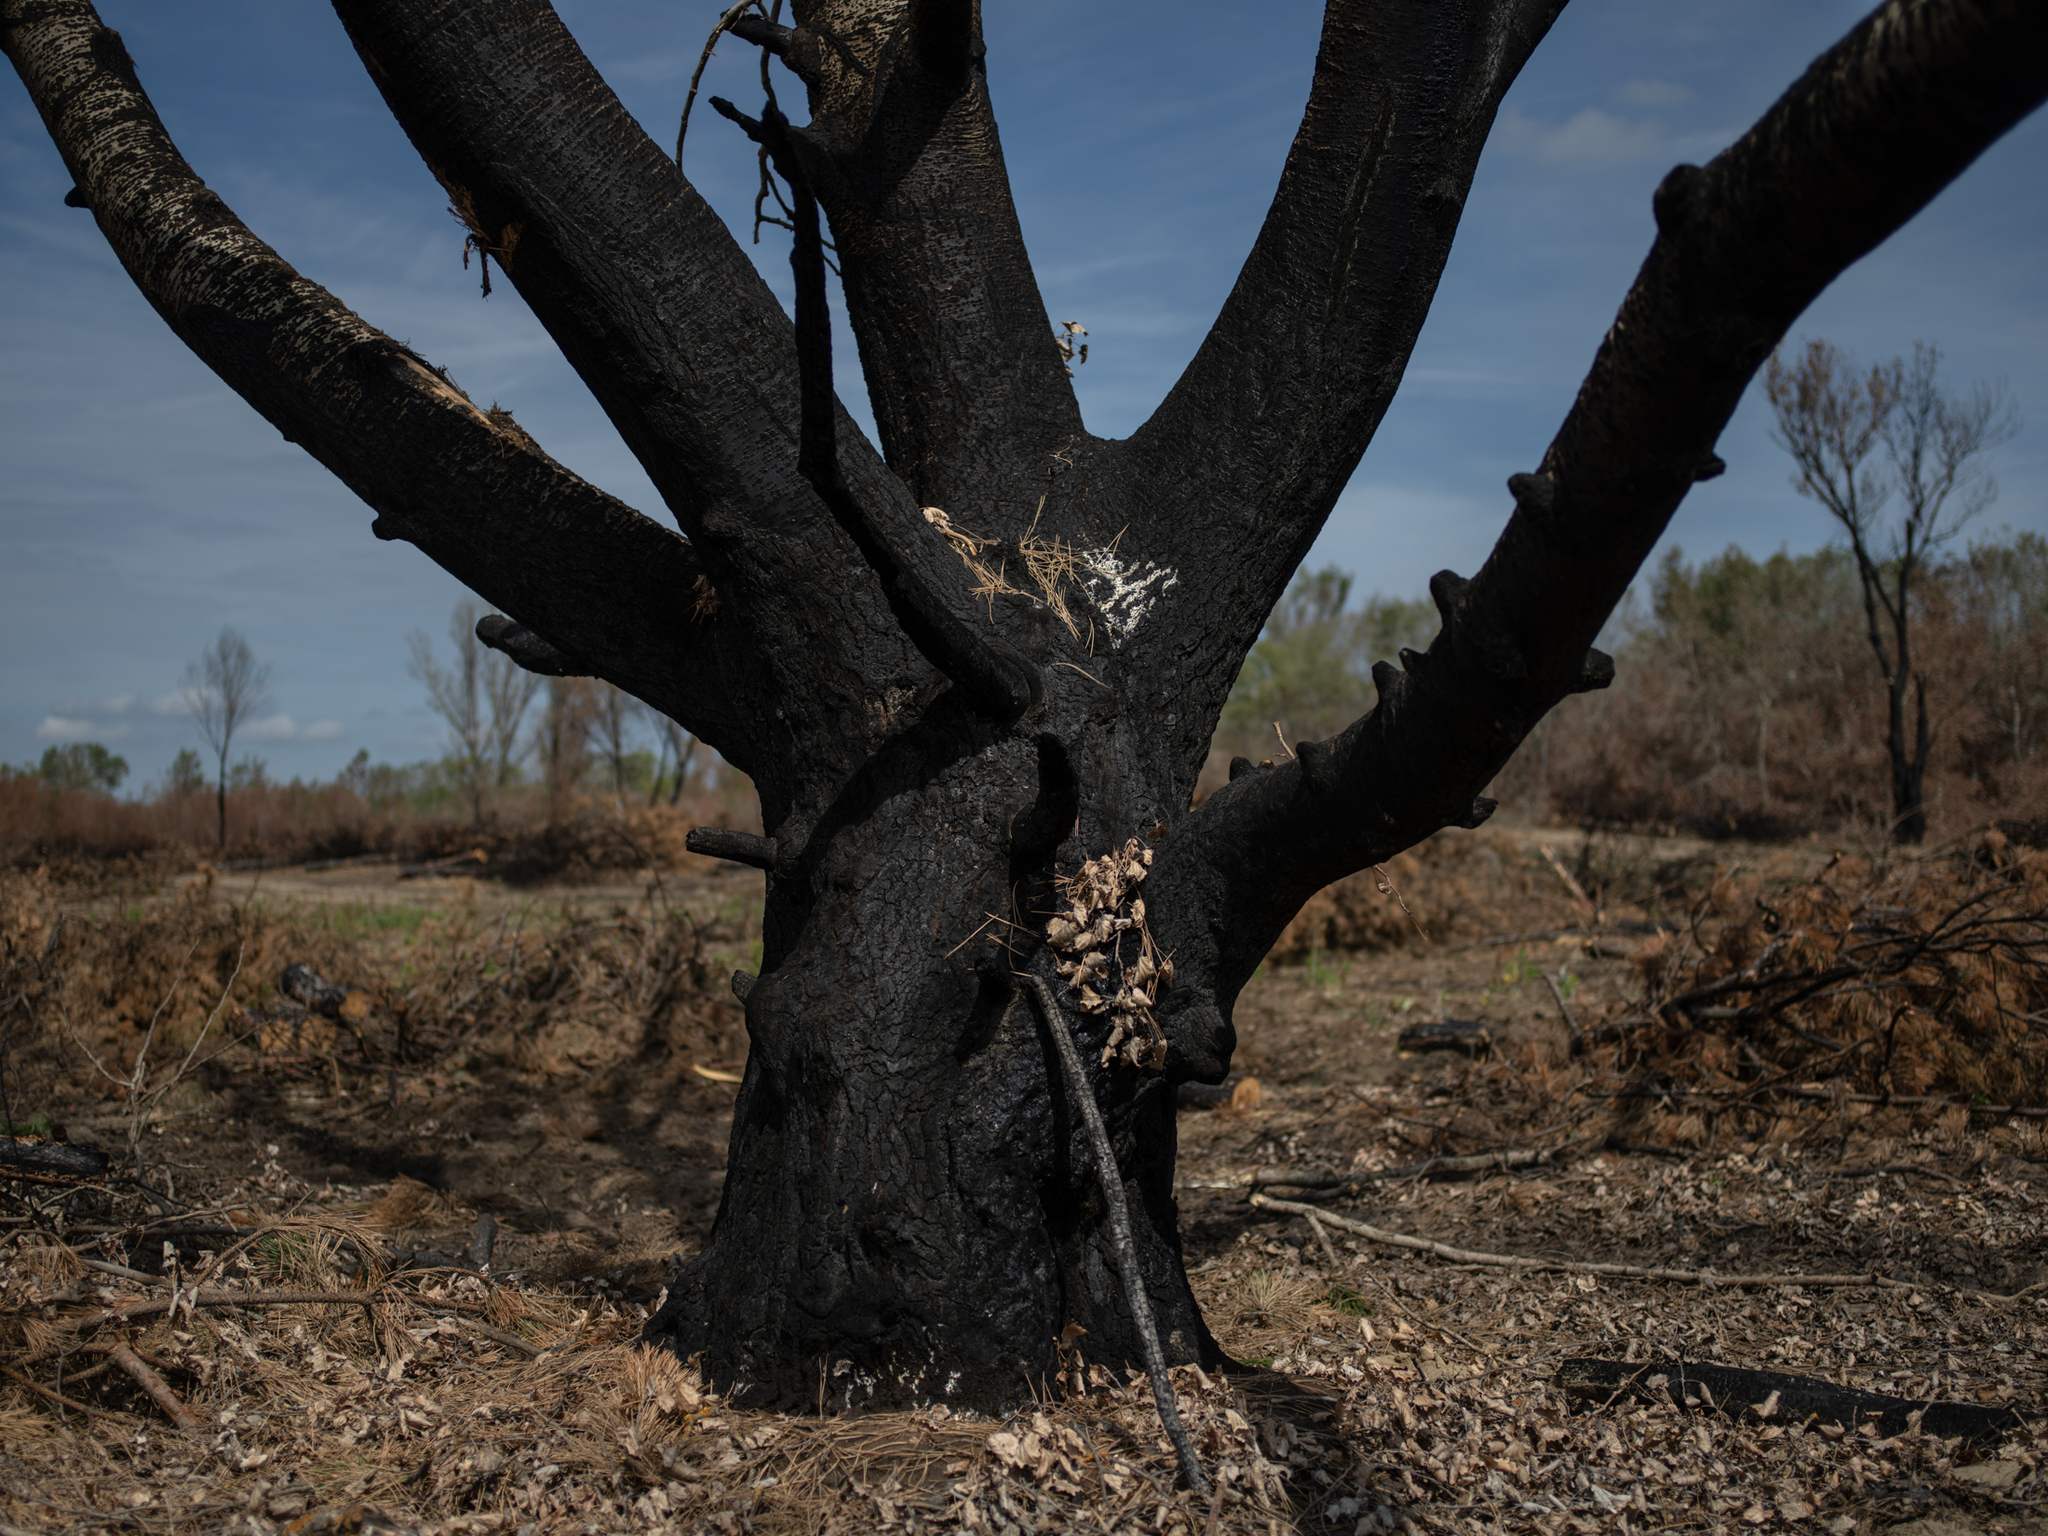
1746, 702
1746, 699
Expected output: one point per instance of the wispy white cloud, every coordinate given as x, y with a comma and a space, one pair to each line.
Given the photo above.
1653, 93
278, 727
119, 704
167, 705
1587, 138
64, 728
281, 727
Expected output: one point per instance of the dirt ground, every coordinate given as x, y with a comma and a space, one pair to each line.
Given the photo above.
555, 1068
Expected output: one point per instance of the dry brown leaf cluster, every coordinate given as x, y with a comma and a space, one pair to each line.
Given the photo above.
1105, 917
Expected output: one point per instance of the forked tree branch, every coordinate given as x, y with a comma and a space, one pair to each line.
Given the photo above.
467, 486
998, 682
1245, 457
969, 394
665, 319
1866, 138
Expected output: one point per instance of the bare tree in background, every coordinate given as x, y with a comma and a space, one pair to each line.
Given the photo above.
509, 690
1863, 442
615, 715
223, 688
483, 698
561, 738
680, 746
454, 694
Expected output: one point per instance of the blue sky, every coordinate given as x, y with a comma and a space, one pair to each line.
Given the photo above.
142, 505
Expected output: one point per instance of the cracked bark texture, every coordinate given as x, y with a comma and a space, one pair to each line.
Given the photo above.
911, 1210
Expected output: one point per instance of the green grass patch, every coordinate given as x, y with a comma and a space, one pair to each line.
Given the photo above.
1351, 1303
363, 920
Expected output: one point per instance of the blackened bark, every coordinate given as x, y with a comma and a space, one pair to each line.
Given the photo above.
911, 1211
968, 390
1249, 450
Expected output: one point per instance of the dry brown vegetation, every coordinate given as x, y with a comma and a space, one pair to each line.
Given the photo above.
1747, 703
311, 1179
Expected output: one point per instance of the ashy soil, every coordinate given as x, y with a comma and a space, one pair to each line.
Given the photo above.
389, 1249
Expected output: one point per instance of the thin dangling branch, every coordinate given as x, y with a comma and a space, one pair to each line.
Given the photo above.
1083, 1095
725, 25
998, 682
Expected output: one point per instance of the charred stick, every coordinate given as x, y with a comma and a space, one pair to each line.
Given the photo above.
1083, 1094
528, 649
726, 23
1774, 1395
52, 1157
739, 847
486, 1239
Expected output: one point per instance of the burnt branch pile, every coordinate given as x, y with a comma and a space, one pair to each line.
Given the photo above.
1869, 981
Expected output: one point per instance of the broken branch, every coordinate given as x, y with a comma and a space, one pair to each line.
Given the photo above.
1267, 1178
1111, 1181
158, 1389
1775, 1395
1614, 1271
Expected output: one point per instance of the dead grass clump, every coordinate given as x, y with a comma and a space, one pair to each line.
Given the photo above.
1451, 885
1270, 1300
188, 987
409, 1204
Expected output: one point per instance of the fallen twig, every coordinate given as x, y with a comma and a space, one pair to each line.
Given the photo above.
1821, 1096
1903, 1169
495, 1335
53, 1157
1772, 1394
69, 1402
1571, 1021
158, 1389
1471, 1163
1616, 1271
128, 1311
1645, 1148
1564, 874
1329, 1248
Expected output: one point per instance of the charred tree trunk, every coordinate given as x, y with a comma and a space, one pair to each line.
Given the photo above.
911, 1210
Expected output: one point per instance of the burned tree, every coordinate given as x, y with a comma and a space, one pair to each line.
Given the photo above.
956, 687
1933, 443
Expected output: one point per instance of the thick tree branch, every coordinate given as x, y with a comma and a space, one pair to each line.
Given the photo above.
1865, 139
968, 390
666, 320
467, 486
999, 683
1243, 460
